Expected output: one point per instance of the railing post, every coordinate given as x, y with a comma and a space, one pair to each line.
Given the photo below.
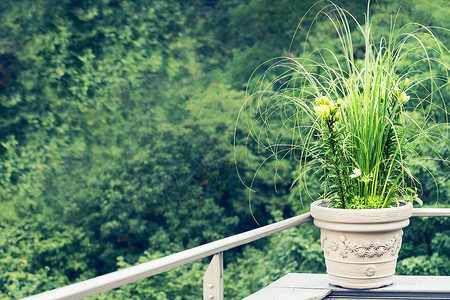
213, 279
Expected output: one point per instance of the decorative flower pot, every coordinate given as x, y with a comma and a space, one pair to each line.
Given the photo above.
361, 245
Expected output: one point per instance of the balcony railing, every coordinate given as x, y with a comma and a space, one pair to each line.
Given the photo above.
213, 277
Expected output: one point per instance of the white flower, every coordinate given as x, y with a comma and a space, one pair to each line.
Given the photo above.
356, 173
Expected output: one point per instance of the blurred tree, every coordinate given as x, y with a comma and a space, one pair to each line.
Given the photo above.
117, 123
39, 254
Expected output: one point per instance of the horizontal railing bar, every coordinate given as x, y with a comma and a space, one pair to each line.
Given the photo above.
431, 212
118, 278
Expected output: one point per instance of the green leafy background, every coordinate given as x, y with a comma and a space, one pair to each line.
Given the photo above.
116, 143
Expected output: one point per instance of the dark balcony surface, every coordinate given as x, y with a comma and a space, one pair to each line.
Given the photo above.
298, 286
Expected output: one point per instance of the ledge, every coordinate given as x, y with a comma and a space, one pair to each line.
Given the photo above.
300, 286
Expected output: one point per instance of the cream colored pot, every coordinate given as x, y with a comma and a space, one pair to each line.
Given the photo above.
361, 245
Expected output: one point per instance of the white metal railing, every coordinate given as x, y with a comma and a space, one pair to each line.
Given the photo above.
431, 212
213, 278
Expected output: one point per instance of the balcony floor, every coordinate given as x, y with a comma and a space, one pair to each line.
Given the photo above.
298, 286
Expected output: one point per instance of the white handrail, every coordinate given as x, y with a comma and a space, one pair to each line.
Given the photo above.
118, 278
431, 212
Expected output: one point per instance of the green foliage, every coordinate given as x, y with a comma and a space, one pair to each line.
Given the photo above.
112, 96
425, 248
433, 265
38, 255
117, 121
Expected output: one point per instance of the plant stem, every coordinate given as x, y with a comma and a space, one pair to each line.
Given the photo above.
333, 149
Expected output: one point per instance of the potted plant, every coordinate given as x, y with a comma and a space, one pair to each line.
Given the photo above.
360, 125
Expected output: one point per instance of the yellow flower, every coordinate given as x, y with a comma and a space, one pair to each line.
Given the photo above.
323, 111
333, 108
383, 95
337, 116
322, 100
403, 98
406, 83
396, 91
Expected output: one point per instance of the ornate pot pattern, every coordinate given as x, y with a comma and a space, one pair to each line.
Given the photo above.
361, 246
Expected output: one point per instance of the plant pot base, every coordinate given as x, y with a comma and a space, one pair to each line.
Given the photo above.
360, 283
361, 246
356, 286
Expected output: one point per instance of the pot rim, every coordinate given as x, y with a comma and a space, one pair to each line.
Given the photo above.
375, 215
